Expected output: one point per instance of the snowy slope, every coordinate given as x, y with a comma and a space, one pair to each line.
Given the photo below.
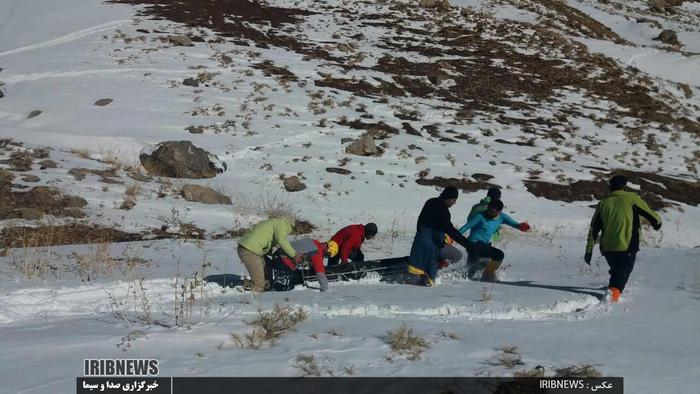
522, 97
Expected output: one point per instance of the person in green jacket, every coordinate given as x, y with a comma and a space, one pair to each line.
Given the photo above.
261, 240
617, 218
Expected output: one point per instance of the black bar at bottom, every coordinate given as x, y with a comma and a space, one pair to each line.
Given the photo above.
123, 385
349, 385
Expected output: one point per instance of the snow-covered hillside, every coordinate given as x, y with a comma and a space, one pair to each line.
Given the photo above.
543, 98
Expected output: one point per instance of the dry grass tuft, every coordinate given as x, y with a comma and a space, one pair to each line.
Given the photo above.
349, 371
450, 335
403, 341
95, 262
130, 194
48, 235
270, 326
536, 372
509, 358
578, 371
307, 364
82, 153
274, 206
509, 349
303, 227
133, 190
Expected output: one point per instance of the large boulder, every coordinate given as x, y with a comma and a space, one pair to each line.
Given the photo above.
294, 184
180, 40
203, 194
181, 159
364, 146
442, 5
668, 37
664, 6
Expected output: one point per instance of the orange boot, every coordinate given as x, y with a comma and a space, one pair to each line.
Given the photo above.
614, 294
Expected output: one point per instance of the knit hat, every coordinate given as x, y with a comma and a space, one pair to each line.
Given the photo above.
449, 193
618, 182
494, 193
370, 229
496, 204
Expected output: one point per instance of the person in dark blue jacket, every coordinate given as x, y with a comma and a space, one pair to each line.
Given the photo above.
482, 256
434, 222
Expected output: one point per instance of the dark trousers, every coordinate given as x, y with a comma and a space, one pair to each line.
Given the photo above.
280, 276
478, 250
621, 266
354, 255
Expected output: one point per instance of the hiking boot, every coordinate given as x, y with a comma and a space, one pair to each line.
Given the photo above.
613, 294
488, 276
249, 285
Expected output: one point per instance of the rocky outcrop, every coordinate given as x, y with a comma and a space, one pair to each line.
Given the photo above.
668, 37
364, 146
203, 194
181, 159
293, 184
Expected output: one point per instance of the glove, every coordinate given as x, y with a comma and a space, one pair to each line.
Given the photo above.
298, 258
587, 257
524, 227
657, 227
442, 264
322, 281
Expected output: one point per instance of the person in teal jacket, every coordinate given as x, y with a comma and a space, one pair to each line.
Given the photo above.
493, 194
482, 256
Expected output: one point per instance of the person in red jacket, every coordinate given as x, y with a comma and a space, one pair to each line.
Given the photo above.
283, 267
349, 240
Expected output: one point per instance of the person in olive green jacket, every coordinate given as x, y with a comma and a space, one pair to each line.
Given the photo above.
617, 217
261, 240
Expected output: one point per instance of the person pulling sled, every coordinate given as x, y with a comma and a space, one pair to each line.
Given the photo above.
261, 240
434, 222
482, 256
285, 273
349, 240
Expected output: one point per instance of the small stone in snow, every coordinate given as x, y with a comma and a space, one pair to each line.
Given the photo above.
190, 82
195, 129
103, 102
34, 114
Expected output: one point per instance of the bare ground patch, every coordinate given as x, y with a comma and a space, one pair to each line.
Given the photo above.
657, 190
29, 237
38, 201
464, 184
